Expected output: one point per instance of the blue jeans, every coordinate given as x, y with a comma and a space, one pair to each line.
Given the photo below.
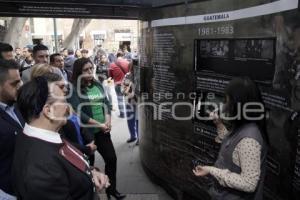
120, 99
132, 120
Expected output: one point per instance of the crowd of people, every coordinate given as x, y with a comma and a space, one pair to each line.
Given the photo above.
55, 112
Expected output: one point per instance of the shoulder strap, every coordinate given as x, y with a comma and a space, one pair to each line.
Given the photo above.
74, 156
120, 68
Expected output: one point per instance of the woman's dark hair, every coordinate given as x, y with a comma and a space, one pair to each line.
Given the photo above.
33, 95
241, 92
77, 68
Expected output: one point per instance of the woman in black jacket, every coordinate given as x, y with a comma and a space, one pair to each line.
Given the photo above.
89, 101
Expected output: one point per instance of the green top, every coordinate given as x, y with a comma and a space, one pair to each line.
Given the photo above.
80, 102
96, 100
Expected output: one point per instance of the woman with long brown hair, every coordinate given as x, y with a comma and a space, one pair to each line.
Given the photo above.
90, 102
240, 167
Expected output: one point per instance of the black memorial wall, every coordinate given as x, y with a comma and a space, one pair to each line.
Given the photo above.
189, 53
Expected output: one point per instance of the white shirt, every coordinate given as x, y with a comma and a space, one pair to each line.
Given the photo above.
42, 134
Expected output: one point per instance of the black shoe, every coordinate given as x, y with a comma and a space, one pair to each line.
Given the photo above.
131, 140
137, 142
121, 116
116, 194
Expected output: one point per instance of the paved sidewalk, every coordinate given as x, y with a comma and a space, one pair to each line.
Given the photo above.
131, 178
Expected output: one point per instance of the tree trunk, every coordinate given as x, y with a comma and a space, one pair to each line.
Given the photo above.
77, 27
15, 30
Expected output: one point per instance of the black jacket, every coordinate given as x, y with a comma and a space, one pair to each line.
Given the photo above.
8, 131
40, 172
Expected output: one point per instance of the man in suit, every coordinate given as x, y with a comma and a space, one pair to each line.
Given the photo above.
11, 123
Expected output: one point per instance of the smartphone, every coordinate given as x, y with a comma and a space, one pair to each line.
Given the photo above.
127, 82
196, 162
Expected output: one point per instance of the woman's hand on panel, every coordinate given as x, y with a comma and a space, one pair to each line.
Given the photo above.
200, 171
215, 117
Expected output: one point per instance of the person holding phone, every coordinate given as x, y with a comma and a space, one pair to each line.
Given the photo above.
128, 90
240, 167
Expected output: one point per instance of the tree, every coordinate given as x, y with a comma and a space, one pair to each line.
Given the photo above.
14, 32
77, 27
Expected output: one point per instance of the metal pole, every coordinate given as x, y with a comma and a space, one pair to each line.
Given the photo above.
55, 36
